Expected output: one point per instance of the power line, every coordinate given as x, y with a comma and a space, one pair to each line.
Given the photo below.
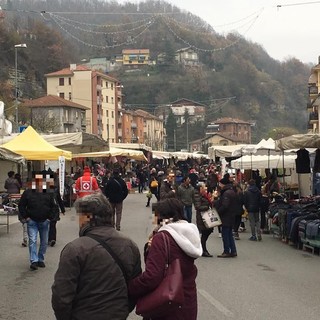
296, 4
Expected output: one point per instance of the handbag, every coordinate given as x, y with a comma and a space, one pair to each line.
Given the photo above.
211, 218
169, 295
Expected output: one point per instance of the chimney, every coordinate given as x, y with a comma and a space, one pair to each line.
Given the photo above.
73, 66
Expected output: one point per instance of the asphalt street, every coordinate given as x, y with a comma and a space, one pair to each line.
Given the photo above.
268, 279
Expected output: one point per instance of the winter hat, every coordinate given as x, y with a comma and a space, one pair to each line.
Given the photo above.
225, 181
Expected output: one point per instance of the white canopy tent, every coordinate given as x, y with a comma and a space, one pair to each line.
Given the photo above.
224, 151
264, 161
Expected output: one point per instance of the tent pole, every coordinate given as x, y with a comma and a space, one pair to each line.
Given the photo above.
283, 174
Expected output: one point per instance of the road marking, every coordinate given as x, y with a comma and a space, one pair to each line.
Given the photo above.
218, 305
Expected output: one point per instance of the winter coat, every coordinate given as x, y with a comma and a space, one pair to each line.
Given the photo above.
59, 206
12, 185
86, 185
184, 244
227, 205
88, 283
201, 203
186, 194
240, 203
116, 189
38, 206
166, 190
252, 199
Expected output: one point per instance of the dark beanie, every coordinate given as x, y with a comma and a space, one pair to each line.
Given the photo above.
225, 181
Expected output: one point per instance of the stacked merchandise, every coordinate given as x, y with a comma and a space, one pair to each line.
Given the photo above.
297, 223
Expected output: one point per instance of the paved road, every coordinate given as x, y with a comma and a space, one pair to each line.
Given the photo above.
268, 280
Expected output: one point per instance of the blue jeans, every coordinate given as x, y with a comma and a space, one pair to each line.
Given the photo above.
188, 213
33, 228
229, 245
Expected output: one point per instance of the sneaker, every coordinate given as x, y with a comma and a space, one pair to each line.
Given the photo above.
259, 237
52, 243
236, 236
41, 264
34, 266
224, 255
24, 243
253, 238
118, 228
233, 255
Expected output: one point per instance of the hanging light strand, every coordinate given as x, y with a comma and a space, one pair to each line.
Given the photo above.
102, 32
99, 46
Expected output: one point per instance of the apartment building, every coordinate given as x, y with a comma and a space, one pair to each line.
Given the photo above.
153, 132
67, 115
314, 100
100, 93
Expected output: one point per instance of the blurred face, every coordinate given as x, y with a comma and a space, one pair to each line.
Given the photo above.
170, 178
203, 189
187, 181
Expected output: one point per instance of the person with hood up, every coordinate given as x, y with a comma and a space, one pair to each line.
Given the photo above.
86, 184
252, 202
184, 242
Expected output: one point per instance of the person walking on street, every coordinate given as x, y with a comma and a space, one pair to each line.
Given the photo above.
252, 202
59, 206
36, 207
239, 211
116, 191
153, 187
184, 243
12, 184
166, 189
86, 184
88, 283
227, 206
203, 203
185, 194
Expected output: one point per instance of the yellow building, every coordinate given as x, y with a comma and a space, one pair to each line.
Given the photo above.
100, 93
135, 57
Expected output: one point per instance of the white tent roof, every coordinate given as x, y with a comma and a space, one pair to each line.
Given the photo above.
224, 151
261, 162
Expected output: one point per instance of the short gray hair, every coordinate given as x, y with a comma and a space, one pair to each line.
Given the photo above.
97, 205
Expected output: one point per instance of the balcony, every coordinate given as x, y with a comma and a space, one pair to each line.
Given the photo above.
313, 90
133, 125
98, 87
99, 101
313, 117
119, 132
309, 107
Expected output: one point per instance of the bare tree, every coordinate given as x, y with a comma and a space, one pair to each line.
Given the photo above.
43, 121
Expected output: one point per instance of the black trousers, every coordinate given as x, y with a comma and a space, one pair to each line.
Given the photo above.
204, 237
52, 231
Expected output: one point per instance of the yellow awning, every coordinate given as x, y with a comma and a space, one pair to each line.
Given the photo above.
33, 147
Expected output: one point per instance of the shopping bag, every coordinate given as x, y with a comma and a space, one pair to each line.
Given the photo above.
211, 218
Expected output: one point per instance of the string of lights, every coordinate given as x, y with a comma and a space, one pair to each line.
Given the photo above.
252, 22
131, 39
100, 25
102, 32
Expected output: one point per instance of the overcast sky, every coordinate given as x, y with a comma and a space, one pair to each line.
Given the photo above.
289, 31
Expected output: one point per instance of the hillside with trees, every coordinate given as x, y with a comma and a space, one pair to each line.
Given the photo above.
237, 78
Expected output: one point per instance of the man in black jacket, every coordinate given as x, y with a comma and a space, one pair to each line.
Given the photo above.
116, 191
36, 207
252, 202
89, 282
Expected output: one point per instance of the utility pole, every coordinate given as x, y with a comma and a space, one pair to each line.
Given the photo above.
174, 140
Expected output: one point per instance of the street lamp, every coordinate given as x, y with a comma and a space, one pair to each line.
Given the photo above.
21, 45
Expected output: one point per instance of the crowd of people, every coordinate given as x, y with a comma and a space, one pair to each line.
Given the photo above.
99, 274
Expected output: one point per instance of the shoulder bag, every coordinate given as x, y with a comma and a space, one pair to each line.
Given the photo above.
169, 295
211, 218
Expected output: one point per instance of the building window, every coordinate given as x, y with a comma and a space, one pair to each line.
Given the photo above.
112, 114
111, 86
112, 100
70, 96
107, 84
69, 81
107, 113
61, 81
61, 95
107, 99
